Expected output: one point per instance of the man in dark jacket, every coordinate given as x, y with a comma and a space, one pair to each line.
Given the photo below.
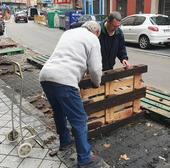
112, 42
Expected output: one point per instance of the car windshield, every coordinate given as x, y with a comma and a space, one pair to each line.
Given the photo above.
21, 14
160, 20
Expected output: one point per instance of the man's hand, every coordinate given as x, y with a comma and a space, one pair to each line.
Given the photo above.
126, 64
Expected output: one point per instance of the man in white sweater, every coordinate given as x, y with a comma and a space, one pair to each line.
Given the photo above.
77, 52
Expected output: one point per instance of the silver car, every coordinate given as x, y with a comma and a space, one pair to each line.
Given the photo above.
146, 29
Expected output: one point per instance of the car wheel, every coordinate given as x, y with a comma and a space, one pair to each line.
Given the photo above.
144, 42
1, 33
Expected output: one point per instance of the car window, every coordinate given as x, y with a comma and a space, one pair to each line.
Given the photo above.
139, 20
160, 20
129, 21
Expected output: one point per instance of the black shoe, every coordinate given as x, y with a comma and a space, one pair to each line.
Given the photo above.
96, 162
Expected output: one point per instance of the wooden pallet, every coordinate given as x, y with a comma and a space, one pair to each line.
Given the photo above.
11, 51
38, 61
157, 102
116, 99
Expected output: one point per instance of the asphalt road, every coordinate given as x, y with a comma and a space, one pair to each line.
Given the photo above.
44, 40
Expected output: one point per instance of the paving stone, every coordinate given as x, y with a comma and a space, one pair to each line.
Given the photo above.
6, 149
9, 124
4, 130
6, 116
2, 138
38, 153
30, 163
11, 162
4, 109
3, 123
50, 164
1, 158
63, 166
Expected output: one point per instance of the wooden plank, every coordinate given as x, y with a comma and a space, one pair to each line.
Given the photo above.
86, 93
39, 59
158, 99
115, 75
121, 107
155, 104
158, 94
137, 106
114, 85
107, 93
122, 90
98, 114
46, 56
156, 109
112, 110
35, 62
98, 98
137, 84
125, 113
114, 101
10, 51
96, 123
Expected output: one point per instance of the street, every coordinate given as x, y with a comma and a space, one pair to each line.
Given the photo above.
43, 40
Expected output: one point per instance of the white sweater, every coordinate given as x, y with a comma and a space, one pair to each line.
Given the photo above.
77, 52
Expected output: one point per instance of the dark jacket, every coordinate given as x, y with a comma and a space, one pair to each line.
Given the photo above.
112, 47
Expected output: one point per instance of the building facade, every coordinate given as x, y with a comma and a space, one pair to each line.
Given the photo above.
126, 7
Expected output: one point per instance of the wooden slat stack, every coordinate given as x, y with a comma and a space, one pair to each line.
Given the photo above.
157, 102
116, 99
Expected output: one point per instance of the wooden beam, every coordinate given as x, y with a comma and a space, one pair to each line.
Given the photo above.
111, 101
111, 75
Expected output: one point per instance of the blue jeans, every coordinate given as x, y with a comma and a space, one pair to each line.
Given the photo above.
66, 103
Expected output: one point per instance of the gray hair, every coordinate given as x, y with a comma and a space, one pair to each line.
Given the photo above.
114, 15
92, 26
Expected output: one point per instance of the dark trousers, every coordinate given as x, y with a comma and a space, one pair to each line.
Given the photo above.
66, 103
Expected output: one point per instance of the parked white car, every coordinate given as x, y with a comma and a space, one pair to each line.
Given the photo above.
146, 29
